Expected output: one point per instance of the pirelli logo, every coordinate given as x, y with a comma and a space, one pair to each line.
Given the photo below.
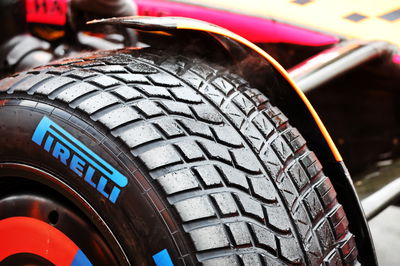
80, 159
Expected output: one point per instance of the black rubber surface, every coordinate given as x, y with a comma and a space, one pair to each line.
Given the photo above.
243, 185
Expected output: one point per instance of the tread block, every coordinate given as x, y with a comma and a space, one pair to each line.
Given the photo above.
255, 95
169, 127
97, 102
323, 186
190, 150
28, 83
244, 103
325, 235
263, 237
313, 205
205, 113
329, 197
127, 92
228, 135
9, 82
72, 92
225, 203
277, 218
132, 78
104, 81
160, 79
202, 70
298, 175
81, 73
297, 143
245, 159
314, 169
253, 135
337, 216
235, 177
79, 63
58, 70
308, 159
195, 128
186, 94
208, 175
194, 208
281, 148
160, 156
192, 79
148, 108
234, 115
341, 227
347, 246
215, 151
177, 108
240, 233
225, 86
139, 135
272, 163
154, 91
276, 116
119, 116
209, 237
178, 181
288, 190
312, 247
352, 256
263, 124
302, 220
249, 206
110, 69
263, 188
213, 94
53, 84
141, 68
289, 249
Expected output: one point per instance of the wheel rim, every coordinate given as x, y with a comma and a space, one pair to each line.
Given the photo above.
40, 223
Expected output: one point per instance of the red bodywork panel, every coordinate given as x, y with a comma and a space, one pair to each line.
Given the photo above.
52, 12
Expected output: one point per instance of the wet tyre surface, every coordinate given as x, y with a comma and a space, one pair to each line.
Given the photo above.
242, 185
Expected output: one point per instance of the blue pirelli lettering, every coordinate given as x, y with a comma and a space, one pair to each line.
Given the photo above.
162, 258
80, 159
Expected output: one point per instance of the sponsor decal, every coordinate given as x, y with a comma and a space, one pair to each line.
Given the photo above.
80, 159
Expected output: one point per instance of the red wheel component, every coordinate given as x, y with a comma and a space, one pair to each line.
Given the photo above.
38, 224
22, 235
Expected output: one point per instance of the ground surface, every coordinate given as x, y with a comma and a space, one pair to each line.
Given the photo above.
385, 229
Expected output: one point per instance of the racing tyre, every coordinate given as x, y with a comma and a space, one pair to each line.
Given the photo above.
139, 157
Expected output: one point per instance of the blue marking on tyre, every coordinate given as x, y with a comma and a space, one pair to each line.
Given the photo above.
80, 259
162, 258
80, 159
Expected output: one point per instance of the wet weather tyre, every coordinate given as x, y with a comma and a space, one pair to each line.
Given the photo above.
214, 173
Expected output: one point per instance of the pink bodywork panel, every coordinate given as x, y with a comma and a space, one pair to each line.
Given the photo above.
256, 30
396, 59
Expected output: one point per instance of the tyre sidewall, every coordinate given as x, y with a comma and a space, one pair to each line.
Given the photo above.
135, 217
